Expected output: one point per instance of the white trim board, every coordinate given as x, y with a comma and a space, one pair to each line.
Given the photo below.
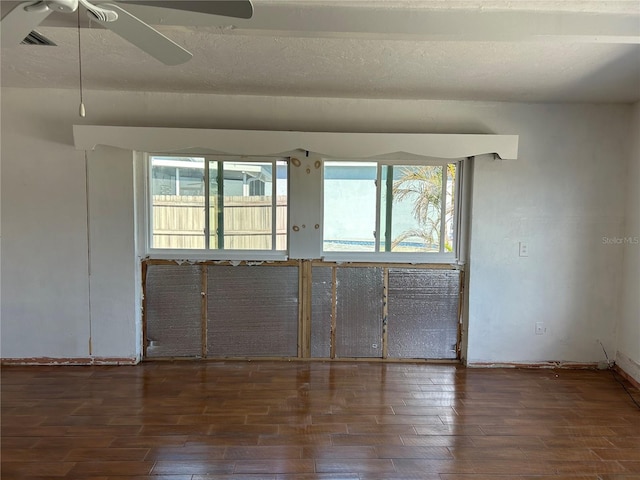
628, 365
260, 142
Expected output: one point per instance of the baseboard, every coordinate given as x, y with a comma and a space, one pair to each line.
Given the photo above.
552, 364
71, 361
628, 369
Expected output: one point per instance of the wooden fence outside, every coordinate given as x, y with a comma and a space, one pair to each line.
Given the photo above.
179, 222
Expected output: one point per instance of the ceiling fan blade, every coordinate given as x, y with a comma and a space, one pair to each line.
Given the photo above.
227, 8
145, 37
18, 23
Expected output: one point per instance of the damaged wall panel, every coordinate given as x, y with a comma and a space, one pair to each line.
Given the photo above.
321, 311
252, 311
256, 311
173, 314
422, 317
359, 312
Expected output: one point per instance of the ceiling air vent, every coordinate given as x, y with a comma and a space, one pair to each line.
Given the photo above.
35, 38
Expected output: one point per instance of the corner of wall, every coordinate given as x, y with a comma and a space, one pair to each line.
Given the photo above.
628, 331
628, 367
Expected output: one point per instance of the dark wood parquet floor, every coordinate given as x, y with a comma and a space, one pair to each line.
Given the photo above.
302, 421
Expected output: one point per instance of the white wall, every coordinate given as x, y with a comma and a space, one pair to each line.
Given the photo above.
113, 267
628, 354
44, 225
561, 197
67, 293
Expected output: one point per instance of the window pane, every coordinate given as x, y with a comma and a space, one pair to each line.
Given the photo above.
416, 209
450, 209
177, 199
215, 200
349, 206
386, 197
242, 211
248, 205
282, 194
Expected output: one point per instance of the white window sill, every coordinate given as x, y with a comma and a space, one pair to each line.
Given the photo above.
217, 255
390, 257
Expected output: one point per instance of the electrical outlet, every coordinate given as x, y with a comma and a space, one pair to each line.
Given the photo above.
540, 328
523, 249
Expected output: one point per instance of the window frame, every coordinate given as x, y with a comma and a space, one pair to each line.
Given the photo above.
221, 254
457, 257
459, 223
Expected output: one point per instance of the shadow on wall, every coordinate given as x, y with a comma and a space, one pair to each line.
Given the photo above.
621, 71
51, 114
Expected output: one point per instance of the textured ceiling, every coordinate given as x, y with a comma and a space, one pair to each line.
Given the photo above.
531, 51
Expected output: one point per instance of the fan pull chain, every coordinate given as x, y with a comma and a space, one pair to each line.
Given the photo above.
82, 112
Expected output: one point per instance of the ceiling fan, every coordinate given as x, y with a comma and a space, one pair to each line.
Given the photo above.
22, 19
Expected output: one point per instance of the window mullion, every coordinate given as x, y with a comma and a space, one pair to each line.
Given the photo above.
378, 206
443, 208
457, 208
207, 203
274, 204
220, 212
150, 205
388, 209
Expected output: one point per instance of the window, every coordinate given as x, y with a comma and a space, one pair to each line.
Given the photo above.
212, 203
365, 210
394, 207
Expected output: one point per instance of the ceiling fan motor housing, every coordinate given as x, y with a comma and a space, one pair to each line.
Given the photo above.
65, 6
22, 19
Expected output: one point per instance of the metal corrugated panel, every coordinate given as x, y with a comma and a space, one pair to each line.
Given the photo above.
173, 311
359, 312
252, 311
321, 309
422, 320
